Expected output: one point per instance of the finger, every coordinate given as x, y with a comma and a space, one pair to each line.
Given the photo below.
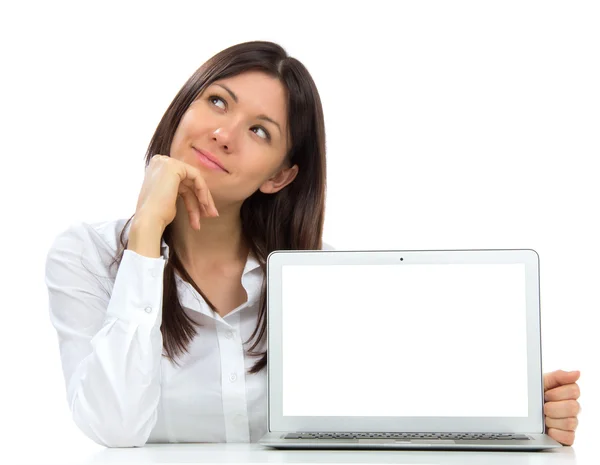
192, 186
192, 207
561, 409
212, 201
565, 424
205, 191
566, 392
559, 377
198, 185
191, 178
564, 437
204, 211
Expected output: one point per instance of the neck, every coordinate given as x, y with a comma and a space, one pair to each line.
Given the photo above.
219, 242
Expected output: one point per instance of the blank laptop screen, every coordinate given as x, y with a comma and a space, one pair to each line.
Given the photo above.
409, 340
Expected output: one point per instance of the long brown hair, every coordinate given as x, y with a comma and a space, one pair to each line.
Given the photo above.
291, 219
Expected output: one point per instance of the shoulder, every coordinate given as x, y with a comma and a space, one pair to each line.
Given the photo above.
105, 234
98, 242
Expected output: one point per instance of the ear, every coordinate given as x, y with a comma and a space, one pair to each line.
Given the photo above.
279, 180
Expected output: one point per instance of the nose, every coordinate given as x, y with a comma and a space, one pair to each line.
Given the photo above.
226, 135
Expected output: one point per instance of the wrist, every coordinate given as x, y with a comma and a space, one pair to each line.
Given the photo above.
145, 238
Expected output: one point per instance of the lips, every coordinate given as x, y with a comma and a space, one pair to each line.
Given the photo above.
211, 157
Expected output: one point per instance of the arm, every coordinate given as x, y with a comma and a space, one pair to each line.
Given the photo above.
110, 345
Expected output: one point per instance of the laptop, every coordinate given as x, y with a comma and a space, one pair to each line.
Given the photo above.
405, 349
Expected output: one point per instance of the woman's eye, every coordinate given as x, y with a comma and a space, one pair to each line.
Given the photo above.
215, 97
267, 135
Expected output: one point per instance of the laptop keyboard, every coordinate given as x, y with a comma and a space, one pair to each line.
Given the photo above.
452, 436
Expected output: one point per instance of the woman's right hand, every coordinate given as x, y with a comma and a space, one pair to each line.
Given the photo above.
166, 178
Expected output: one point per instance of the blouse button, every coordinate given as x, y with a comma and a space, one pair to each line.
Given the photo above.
148, 309
232, 377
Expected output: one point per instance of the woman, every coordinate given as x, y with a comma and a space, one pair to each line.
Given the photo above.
170, 346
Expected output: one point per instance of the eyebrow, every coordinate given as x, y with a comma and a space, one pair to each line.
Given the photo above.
263, 117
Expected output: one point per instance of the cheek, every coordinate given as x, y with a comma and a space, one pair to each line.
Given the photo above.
192, 118
187, 123
186, 131
258, 173
249, 179
181, 129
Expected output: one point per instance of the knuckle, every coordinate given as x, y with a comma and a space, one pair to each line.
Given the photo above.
569, 438
574, 406
564, 437
572, 423
160, 158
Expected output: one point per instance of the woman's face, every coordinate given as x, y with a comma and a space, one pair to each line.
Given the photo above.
248, 136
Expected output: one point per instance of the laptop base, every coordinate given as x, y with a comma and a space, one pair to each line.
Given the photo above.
536, 443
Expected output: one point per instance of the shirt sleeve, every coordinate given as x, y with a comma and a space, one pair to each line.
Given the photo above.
110, 343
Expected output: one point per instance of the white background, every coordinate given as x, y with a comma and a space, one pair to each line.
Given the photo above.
449, 125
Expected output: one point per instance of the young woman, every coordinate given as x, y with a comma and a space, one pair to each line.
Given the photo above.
169, 345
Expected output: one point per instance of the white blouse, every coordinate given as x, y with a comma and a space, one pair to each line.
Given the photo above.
121, 391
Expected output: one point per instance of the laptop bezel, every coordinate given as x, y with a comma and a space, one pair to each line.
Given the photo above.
533, 423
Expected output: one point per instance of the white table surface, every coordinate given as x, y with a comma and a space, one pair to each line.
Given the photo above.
254, 453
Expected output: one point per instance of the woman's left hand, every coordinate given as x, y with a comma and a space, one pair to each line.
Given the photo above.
560, 405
